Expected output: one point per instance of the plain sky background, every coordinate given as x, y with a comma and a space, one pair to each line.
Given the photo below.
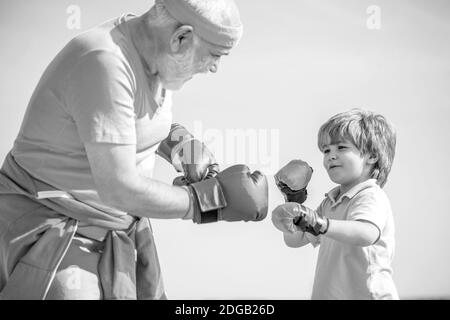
298, 63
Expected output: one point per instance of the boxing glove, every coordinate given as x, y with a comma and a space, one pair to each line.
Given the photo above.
235, 194
293, 179
283, 218
308, 220
187, 155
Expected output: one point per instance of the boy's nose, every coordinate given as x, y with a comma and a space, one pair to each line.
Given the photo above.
333, 156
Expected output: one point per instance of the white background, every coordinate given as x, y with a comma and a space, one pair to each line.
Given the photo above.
298, 63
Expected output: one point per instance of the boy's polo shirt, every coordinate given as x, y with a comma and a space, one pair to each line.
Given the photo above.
346, 271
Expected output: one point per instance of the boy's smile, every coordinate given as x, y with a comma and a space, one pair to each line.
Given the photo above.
345, 164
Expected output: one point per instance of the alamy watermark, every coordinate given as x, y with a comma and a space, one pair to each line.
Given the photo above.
255, 147
74, 18
374, 19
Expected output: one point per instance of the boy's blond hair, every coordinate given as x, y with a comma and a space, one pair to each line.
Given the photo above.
371, 133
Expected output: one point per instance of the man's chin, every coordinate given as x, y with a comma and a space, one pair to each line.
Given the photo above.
174, 85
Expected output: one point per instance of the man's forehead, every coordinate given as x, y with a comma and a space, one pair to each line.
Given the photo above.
219, 50
216, 48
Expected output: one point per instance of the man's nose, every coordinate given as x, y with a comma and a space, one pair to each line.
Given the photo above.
214, 67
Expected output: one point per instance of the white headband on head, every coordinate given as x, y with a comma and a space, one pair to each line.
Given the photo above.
222, 35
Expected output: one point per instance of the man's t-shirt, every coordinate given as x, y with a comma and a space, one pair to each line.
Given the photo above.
95, 90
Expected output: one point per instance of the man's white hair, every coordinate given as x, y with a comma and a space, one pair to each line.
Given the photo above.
216, 11
159, 16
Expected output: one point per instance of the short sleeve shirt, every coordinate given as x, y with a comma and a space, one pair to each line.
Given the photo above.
351, 272
95, 90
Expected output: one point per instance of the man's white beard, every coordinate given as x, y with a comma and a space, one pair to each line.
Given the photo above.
175, 71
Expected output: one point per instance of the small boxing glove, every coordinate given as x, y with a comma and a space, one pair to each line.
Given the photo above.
310, 221
283, 217
293, 179
187, 155
235, 194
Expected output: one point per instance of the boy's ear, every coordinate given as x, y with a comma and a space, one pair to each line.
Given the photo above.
372, 159
182, 38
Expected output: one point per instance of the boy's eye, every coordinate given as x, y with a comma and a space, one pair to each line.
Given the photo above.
342, 147
326, 150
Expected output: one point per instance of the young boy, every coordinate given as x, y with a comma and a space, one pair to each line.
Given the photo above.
353, 224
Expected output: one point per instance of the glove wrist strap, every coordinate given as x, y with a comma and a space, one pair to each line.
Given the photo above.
190, 212
208, 199
325, 226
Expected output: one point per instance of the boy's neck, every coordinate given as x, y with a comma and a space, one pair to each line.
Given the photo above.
345, 188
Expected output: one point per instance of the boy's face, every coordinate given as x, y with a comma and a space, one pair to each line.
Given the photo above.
345, 164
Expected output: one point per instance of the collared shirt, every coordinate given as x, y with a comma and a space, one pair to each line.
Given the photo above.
347, 271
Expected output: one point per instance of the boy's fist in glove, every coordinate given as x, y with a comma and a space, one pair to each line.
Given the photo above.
293, 179
283, 217
292, 217
310, 221
235, 194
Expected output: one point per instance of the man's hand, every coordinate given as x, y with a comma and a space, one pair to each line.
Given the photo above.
235, 194
187, 155
293, 179
197, 163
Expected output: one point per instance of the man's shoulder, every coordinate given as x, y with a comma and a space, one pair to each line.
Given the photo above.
105, 37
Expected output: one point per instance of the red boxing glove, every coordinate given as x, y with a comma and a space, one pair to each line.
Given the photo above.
293, 179
235, 194
310, 221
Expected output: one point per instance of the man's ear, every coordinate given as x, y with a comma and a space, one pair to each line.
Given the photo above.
181, 39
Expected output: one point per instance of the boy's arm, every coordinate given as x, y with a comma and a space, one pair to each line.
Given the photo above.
359, 233
300, 239
367, 215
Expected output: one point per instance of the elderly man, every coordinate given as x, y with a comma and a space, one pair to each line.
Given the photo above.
76, 192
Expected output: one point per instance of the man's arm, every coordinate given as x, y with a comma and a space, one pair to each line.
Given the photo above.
120, 185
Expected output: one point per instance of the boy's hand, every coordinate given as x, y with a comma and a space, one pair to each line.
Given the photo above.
293, 179
283, 217
310, 221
